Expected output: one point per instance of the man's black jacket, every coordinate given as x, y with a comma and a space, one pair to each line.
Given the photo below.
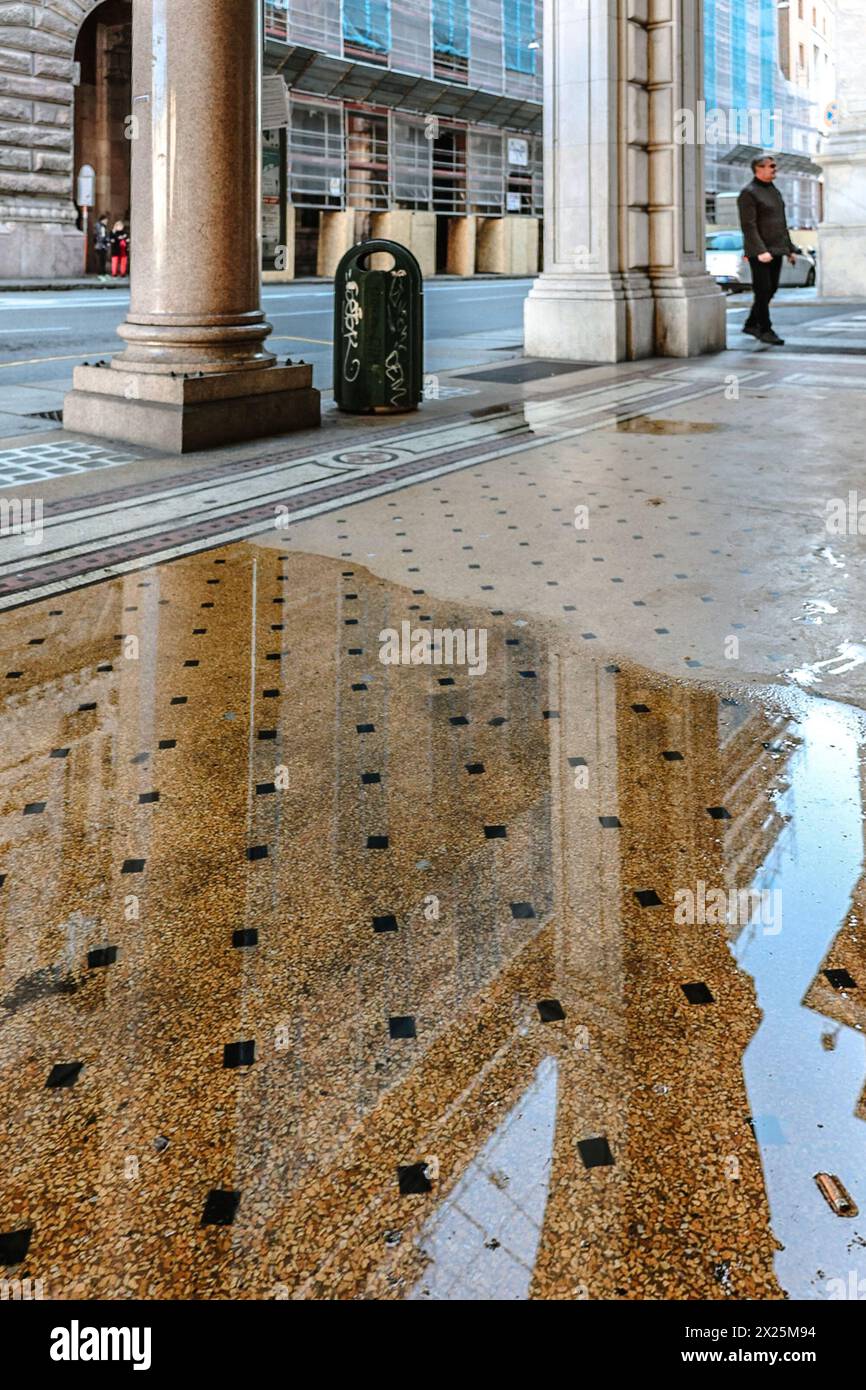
762, 218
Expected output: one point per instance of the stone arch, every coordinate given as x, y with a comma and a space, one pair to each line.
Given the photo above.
38, 233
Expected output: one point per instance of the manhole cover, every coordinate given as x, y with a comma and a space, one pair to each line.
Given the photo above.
365, 458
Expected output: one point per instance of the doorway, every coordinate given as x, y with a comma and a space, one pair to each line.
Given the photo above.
103, 101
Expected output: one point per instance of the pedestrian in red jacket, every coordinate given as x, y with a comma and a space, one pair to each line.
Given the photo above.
119, 250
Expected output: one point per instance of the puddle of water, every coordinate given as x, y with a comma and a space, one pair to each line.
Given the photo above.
651, 424
805, 1097
849, 655
454, 947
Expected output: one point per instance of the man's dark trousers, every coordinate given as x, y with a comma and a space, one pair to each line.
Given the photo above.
765, 282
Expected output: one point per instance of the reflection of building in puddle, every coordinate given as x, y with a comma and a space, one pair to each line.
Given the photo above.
805, 1079
438, 865
838, 991
403, 878
755, 748
681, 1212
482, 1240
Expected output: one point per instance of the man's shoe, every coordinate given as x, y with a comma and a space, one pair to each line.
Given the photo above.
773, 339
751, 330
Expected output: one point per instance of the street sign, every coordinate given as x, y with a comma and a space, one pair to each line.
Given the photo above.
86, 193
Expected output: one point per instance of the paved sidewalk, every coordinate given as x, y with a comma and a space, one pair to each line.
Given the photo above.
404, 972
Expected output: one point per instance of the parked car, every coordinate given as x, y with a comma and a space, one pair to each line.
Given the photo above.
730, 269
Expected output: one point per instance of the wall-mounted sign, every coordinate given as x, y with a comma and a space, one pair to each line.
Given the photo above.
512, 203
275, 102
335, 187
518, 151
86, 190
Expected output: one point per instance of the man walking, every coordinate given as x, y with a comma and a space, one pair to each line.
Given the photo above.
766, 240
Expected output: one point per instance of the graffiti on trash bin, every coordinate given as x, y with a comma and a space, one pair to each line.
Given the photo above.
398, 328
352, 315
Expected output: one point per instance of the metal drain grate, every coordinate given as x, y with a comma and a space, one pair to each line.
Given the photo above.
35, 463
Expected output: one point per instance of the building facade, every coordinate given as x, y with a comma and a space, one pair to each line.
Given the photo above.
769, 78
412, 119
416, 119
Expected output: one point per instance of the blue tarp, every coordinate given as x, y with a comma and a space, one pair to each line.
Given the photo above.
451, 27
519, 21
367, 24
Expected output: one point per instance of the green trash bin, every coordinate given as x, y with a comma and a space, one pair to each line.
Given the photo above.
378, 331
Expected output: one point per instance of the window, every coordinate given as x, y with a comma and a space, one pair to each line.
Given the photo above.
367, 26
451, 27
367, 160
484, 173
519, 25
316, 155
411, 163
451, 38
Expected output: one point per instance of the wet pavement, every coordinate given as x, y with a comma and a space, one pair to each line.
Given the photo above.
531, 975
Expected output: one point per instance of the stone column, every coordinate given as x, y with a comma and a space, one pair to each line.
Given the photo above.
589, 304
196, 370
690, 308
842, 234
623, 218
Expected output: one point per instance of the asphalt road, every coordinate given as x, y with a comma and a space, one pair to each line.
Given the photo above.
43, 334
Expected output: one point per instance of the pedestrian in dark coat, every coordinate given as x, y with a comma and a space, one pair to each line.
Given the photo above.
101, 242
766, 240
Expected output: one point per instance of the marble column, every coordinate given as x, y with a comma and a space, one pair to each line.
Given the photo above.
842, 234
623, 218
689, 306
196, 370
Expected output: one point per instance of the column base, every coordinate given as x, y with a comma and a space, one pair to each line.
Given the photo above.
181, 414
33, 251
841, 261
603, 318
690, 316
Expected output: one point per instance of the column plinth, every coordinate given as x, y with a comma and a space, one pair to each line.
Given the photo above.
195, 307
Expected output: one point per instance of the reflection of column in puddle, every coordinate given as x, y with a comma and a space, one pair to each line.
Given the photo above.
463, 968
662, 1080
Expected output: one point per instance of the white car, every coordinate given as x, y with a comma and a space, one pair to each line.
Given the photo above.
729, 268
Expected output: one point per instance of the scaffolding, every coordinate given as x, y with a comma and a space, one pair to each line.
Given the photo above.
374, 155
743, 75
491, 45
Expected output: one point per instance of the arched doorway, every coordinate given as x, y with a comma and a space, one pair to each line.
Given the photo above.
103, 99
